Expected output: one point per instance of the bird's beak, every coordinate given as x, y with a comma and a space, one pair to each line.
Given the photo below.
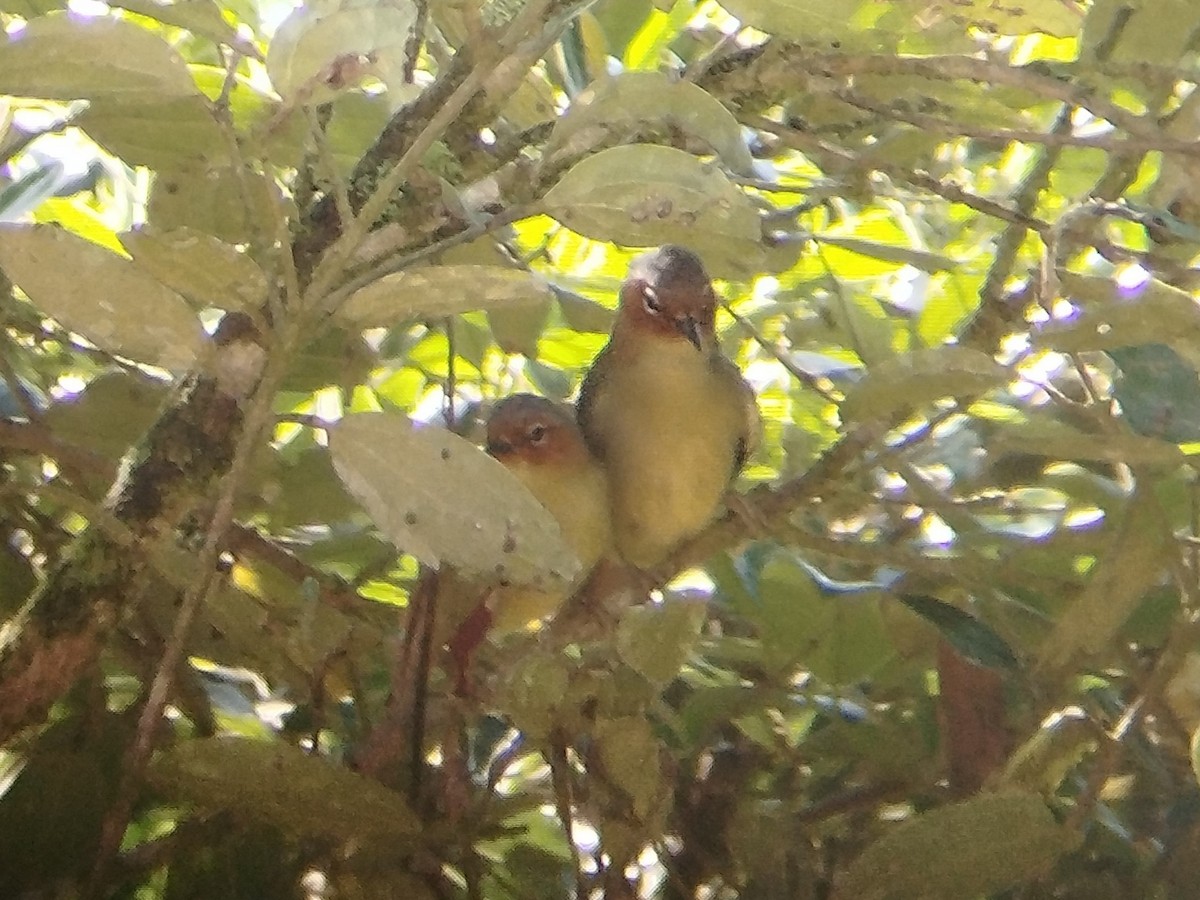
499, 448
689, 329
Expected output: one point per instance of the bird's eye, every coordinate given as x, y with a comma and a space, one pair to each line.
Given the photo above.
537, 434
650, 300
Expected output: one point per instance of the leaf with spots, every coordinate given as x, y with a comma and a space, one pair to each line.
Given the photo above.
101, 296
645, 195
442, 499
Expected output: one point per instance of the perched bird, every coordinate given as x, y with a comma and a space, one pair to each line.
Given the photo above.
539, 442
670, 418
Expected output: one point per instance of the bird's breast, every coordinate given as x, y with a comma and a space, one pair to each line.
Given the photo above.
673, 429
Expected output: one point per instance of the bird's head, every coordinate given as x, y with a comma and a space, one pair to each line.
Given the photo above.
532, 430
668, 294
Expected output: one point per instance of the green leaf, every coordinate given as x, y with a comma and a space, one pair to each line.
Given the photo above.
300, 793
1059, 441
646, 195
110, 415
202, 18
517, 328
656, 641
162, 133
806, 21
1141, 36
201, 268
52, 812
319, 46
967, 849
623, 105
438, 291
60, 57
213, 199
839, 638
1000, 16
630, 752
1159, 393
967, 634
908, 256
101, 296
1126, 568
1153, 313
442, 499
907, 382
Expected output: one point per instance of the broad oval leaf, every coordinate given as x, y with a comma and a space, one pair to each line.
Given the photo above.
646, 195
320, 47
1159, 393
1058, 440
904, 382
436, 291
442, 499
966, 849
273, 782
159, 133
970, 636
201, 268
64, 58
620, 105
1136, 555
101, 296
656, 641
807, 21
1111, 316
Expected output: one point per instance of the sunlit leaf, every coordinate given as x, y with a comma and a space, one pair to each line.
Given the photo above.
436, 291
907, 382
320, 48
67, 58
101, 296
645, 195
201, 268
442, 499
621, 105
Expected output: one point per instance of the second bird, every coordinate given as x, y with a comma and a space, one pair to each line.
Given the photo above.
671, 419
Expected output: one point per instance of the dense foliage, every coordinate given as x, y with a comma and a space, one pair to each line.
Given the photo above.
943, 649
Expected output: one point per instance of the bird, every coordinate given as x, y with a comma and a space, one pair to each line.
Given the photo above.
539, 441
669, 417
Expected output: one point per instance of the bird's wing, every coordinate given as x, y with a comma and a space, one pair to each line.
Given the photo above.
591, 409
750, 434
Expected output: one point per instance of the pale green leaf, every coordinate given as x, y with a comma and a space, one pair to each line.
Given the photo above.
622, 105
320, 46
1126, 568
1060, 441
203, 269
61, 57
517, 328
1109, 316
967, 849
437, 291
300, 793
442, 499
102, 296
918, 259
647, 195
656, 641
907, 382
